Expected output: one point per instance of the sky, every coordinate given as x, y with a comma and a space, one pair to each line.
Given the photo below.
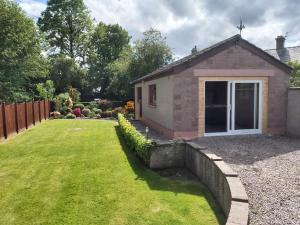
186, 23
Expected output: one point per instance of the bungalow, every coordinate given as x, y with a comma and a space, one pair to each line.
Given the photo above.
230, 88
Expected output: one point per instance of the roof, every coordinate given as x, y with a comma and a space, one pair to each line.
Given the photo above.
208, 52
286, 54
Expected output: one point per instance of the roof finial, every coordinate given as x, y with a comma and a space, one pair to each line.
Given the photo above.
241, 26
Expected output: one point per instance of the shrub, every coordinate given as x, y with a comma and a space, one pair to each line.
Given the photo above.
118, 110
79, 105
135, 140
104, 104
70, 116
130, 106
106, 114
96, 110
93, 105
65, 110
92, 115
77, 112
86, 112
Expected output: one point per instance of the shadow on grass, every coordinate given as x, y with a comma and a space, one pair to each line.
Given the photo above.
156, 182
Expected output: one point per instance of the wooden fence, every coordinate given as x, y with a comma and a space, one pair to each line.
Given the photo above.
17, 117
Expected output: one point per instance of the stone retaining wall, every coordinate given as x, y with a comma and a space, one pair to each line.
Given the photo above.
212, 171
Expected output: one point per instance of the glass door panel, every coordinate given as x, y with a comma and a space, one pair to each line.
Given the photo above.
246, 106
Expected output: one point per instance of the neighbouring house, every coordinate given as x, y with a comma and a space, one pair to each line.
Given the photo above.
230, 88
284, 54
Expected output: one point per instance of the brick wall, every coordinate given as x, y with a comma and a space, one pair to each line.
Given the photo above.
186, 89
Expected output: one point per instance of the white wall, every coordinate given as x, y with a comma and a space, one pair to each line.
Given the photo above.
162, 113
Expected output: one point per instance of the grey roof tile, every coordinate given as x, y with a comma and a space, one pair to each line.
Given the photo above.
286, 54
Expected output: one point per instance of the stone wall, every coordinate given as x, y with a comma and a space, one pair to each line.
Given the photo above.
212, 171
293, 114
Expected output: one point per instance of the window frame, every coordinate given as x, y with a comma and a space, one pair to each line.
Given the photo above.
152, 95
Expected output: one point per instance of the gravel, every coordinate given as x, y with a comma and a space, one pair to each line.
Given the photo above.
269, 167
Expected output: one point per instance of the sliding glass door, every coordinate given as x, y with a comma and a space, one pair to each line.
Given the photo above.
246, 106
243, 106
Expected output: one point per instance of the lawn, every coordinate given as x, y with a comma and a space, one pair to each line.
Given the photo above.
78, 172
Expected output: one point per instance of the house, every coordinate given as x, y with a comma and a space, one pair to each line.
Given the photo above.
284, 54
230, 88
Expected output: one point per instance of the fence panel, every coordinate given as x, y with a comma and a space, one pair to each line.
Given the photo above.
17, 117
42, 110
10, 119
29, 114
47, 109
1, 122
21, 116
36, 108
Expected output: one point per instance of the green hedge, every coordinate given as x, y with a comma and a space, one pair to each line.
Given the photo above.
134, 139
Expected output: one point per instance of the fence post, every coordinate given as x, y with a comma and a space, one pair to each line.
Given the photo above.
44, 109
26, 121
40, 111
16, 117
33, 117
4, 120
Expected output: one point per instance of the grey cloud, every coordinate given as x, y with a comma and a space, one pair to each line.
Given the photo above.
253, 12
202, 22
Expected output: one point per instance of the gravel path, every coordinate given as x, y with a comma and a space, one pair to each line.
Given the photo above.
269, 167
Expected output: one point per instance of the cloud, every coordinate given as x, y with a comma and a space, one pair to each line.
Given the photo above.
32, 7
196, 22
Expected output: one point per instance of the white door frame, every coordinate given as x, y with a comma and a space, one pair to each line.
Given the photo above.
231, 109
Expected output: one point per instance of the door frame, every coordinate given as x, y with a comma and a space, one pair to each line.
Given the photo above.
231, 109
140, 101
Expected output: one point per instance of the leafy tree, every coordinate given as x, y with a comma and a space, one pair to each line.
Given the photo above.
46, 90
150, 53
106, 45
21, 62
65, 73
119, 87
67, 25
295, 75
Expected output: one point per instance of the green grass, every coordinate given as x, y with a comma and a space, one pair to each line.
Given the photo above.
56, 173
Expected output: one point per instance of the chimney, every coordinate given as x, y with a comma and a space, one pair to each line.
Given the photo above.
280, 42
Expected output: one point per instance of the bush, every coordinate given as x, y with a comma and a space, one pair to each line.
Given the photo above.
65, 110
77, 112
130, 106
70, 116
104, 104
118, 110
106, 114
92, 115
135, 140
79, 105
96, 110
86, 112
93, 105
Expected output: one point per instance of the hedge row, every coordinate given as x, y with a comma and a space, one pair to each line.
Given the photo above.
134, 139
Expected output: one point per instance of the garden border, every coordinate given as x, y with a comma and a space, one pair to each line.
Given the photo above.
220, 179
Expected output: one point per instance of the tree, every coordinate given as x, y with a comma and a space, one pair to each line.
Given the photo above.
150, 53
65, 73
119, 87
295, 75
106, 45
21, 62
67, 25
46, 90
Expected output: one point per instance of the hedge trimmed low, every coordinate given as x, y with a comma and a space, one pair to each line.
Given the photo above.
134, 139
